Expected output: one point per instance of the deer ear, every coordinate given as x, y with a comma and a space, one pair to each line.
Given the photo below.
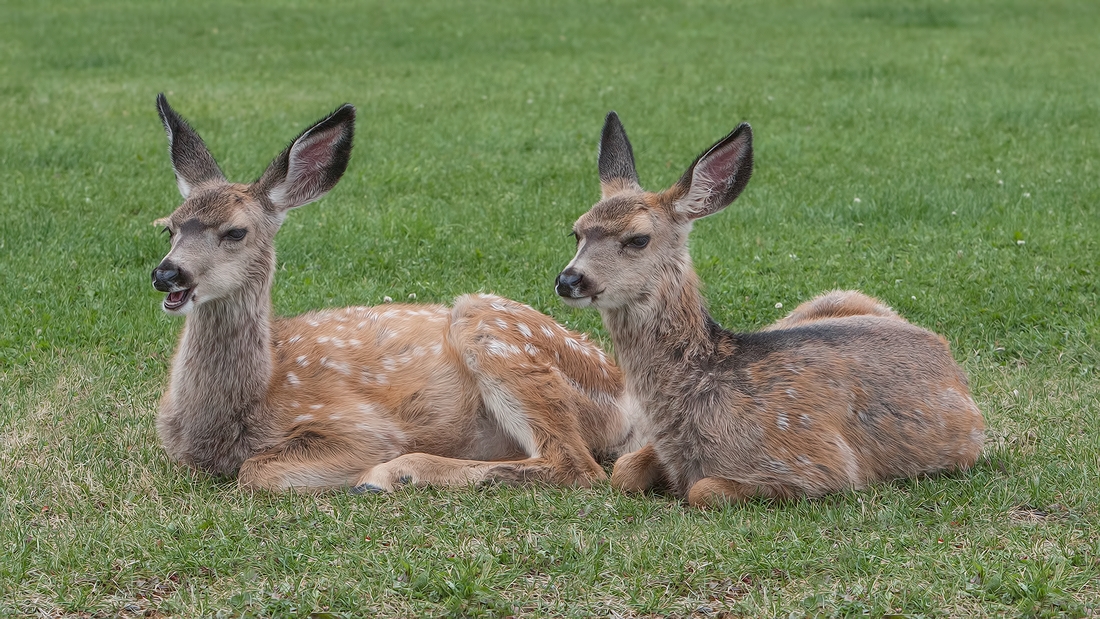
191, 161
717, 177
312, 164
617, 172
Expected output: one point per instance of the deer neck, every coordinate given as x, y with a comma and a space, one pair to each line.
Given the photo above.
220, 378
662, 332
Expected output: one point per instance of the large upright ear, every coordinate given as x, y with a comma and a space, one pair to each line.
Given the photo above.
717, 177
312, 164
617, 172
191, 161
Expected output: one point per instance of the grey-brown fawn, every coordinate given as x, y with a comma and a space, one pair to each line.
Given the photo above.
841, 393
368, 397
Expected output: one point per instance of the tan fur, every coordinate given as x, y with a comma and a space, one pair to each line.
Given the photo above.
841, 393
371, 397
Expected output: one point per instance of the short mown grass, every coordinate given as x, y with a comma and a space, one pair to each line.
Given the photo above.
942, 155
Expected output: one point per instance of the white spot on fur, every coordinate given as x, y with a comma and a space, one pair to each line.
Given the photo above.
503, 326
314, 323
501, 349
531, 350
340, 366
546, 331
323, 339
368, 409
302, 361
436, 349
292, 378
354, 343
781, 420
389, 365
792, 394
294, 405
316, 406
337, 342
524, 329
301, 418
294, 339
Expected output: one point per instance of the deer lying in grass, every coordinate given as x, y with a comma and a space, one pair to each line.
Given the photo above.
371, 397
841, 393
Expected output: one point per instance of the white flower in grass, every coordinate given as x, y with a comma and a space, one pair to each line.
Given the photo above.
778, 306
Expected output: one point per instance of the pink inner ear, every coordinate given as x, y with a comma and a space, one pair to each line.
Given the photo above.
722, 164
317, 152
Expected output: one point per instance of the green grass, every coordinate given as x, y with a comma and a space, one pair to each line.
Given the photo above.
969, 131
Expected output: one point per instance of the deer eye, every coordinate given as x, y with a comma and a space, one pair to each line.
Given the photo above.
236, 234
638, 242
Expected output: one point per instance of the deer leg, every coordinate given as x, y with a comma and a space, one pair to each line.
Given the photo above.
275, 471
715, 491
314, 460
421, 469
638, 471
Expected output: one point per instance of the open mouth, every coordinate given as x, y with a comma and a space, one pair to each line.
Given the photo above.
177, 299
584, 301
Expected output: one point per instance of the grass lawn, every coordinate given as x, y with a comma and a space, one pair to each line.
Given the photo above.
943, 155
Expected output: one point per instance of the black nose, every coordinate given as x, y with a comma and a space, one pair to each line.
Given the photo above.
568, 281
164, 276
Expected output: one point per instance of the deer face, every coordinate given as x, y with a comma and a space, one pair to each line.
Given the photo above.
221, 242
632, 241
222, 235
621, 242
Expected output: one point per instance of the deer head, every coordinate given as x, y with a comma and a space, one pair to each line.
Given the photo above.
222, 235
632, 234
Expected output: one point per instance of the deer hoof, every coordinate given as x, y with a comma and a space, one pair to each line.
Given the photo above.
367, 489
